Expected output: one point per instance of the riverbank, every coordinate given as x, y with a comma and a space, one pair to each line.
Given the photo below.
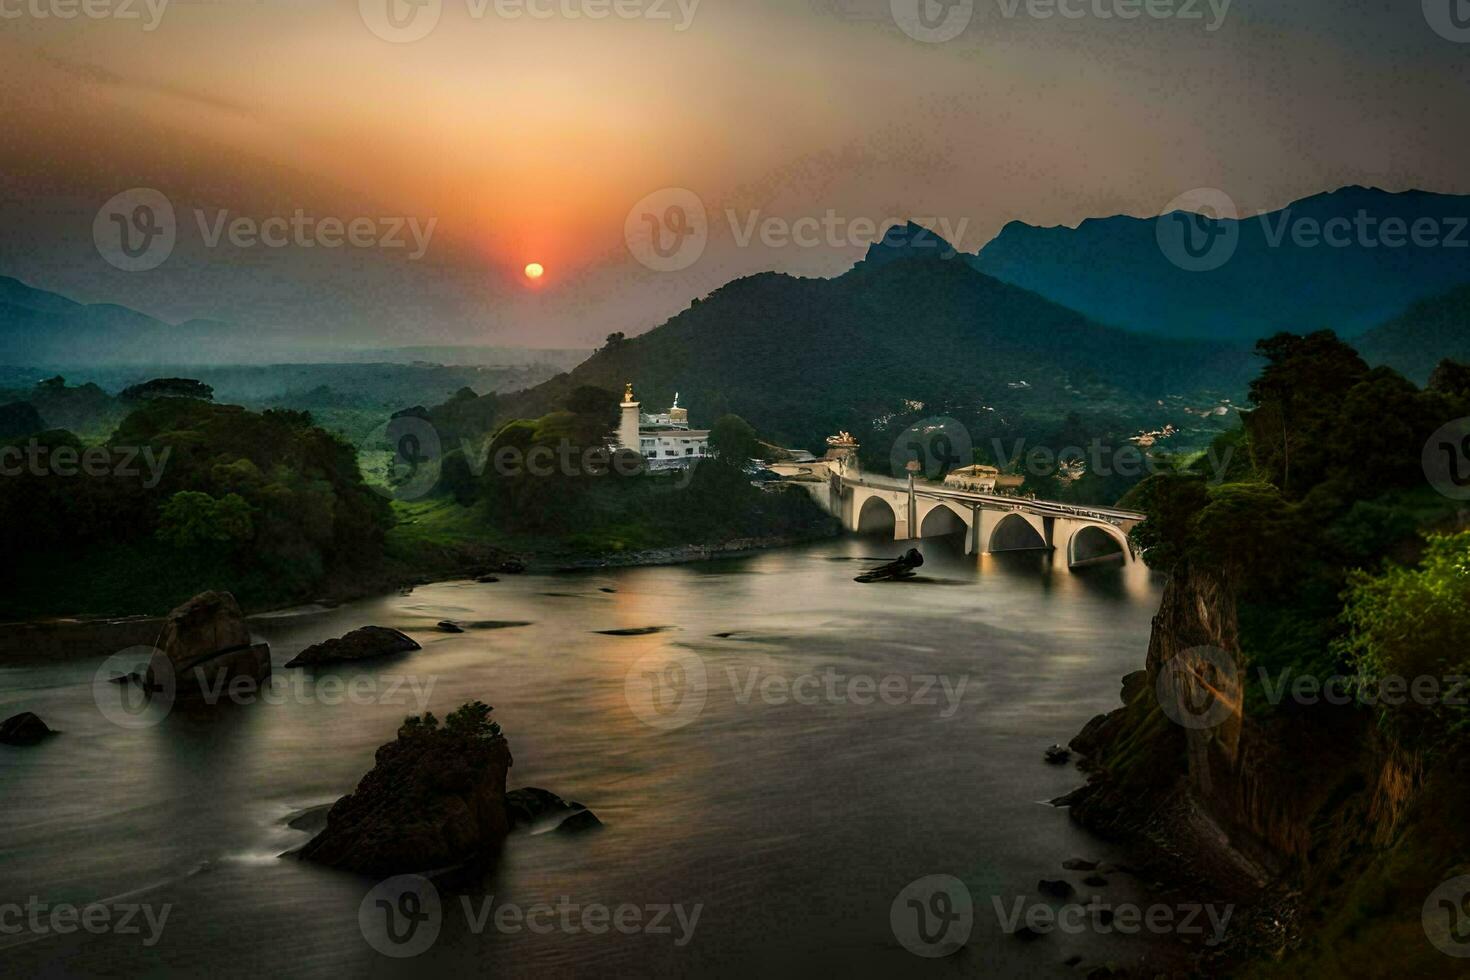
88, 636
1325, 833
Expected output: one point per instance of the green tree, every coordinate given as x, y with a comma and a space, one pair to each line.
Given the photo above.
733, 442
191, 519
1412, 622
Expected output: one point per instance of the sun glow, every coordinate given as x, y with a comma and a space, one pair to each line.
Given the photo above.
535, 271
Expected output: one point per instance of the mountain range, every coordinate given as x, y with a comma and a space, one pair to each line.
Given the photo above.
1345, 261
899, 333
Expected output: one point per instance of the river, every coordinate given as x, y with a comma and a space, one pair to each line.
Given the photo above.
848, 740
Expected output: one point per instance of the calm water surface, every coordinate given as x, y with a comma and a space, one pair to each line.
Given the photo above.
793, 825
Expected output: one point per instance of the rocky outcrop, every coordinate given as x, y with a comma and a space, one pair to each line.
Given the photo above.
361, 644
23, 729
540, 810
205, 645
434, 800
1268, 804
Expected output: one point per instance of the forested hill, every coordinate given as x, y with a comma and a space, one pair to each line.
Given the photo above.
802, 358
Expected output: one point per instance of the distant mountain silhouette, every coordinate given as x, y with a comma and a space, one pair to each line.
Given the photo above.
1423, 335
802, 358
40, 327
1115, 271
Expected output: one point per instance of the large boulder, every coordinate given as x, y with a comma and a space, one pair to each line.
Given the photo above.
434, 800
361, 644
23, 729
205, 645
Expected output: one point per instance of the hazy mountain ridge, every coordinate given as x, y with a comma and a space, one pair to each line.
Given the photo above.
1114, 270
801, 358
1426, 333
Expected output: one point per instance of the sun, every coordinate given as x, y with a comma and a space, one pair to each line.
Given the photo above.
535, 271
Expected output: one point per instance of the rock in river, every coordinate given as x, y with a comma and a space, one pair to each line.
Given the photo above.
434, 800
205, 645
539, 809
23, 729
361, 644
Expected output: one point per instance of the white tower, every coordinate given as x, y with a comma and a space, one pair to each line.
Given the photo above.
628, 423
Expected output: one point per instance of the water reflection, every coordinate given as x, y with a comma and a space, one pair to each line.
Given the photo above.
793, 821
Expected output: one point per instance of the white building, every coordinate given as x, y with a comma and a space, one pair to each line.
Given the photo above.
664, 439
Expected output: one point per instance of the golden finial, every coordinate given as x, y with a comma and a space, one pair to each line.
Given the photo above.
628, 392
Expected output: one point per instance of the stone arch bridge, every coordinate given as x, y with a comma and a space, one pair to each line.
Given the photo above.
991, 523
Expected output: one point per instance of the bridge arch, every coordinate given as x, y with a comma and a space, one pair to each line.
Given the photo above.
1097, 543
876, 516
941, 519
1017, 532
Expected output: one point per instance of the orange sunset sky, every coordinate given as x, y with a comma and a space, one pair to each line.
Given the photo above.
528, 140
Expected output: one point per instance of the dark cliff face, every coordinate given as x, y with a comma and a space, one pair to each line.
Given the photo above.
1268, 794
1309, 801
